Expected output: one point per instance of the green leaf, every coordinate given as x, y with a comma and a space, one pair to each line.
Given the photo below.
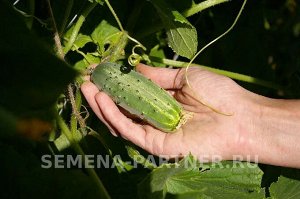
182, 36
110, 45
105, 34
116, 51
110, 41
225, 180
80, 41
189, 195
286, 187
157, 52
86, 61
138, 157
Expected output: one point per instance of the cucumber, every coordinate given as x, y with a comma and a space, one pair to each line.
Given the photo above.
139, 96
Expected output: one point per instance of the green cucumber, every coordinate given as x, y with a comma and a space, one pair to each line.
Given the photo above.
139, 96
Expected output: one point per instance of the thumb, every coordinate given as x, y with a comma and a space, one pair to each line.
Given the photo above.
165, 77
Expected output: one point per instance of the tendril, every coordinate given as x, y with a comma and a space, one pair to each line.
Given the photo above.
134, 59
201, 50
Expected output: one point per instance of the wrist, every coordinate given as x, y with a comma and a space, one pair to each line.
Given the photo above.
274, 131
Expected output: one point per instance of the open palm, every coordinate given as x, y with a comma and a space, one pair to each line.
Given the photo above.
208, 135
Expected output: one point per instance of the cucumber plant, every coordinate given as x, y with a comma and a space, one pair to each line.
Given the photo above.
146, 100
109, 45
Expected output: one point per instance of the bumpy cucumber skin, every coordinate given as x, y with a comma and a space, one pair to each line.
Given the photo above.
138, 95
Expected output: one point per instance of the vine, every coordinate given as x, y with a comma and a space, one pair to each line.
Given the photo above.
201, 50
71, 132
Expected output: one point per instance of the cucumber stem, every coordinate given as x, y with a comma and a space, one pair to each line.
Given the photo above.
31, 13
232, 75
76, 104
77, 27
202, 6
187, 13
92, 173
115, 15
58, 45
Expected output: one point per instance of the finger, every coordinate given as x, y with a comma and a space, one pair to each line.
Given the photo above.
146, 137
87, 77
89, 91
119, 121
93, 65
165, 77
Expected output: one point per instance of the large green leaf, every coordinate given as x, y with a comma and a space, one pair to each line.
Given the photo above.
109, 40
182, 36
189, 195
287, 187
225, 180
105, 34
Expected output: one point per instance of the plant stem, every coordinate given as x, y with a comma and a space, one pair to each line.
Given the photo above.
70, 135
202, 6
31, 13
66, 16
76, 104
233, 75
66, 131
77, 27
115, 15
56, 35
64, 128
189, 12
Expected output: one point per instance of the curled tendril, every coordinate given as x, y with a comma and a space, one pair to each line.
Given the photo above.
134, 59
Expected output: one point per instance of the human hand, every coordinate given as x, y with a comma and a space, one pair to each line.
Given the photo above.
208, 135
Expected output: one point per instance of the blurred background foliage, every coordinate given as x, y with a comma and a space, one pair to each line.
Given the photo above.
264, 44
